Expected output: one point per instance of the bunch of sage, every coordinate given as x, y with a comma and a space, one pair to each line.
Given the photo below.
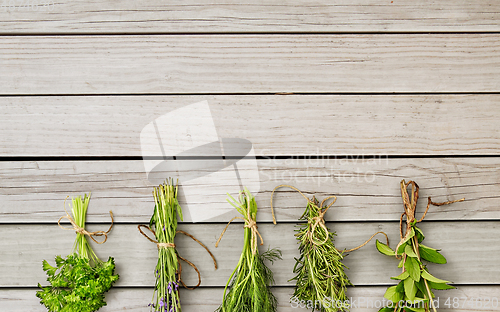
414, 291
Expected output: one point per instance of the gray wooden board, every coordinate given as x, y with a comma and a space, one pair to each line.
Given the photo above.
276, 125
471, 248
194, 16
365, 299
367, 189
180, 64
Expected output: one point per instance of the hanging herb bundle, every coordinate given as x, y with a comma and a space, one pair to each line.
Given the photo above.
163, 225
249, 286
413, 293
320, 278
78, 283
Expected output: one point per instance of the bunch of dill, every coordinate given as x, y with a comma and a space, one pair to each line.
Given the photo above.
249, 286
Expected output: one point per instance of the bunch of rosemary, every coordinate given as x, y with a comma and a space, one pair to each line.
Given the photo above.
249, 286
164, 223
320, 281
413, 292
78, 283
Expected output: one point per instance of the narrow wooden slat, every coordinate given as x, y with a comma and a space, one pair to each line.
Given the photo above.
366, 189
194, 16
208, 299
276, 125
250, 63
471, 248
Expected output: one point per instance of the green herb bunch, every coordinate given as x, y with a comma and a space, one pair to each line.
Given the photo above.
320, 281
78, 283
249, 286
414, 291
164, 223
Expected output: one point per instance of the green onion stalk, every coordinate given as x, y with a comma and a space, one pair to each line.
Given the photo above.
320, 278
164, 222
79, 281
414, 290
249, 286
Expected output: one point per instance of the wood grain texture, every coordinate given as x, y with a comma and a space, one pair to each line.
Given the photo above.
366, 189
471, 248
276, 125
208, 299
250, 63
195, 16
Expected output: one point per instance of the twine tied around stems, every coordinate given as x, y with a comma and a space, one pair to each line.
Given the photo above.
252, 225
172, 245
410, 206
320, 219
81, 230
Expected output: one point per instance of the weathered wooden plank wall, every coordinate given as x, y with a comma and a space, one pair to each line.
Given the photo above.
382, 91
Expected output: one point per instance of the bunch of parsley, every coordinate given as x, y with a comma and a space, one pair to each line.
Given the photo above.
77, 283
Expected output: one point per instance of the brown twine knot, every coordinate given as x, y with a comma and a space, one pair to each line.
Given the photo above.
252, 225
81, 230
320, 219
172, 245
410, 206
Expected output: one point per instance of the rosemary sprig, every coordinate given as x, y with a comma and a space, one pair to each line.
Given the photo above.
249, 286
320, 281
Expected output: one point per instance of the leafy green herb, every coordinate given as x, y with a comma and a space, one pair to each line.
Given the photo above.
78, 283
414, 292
249, 286
320, 278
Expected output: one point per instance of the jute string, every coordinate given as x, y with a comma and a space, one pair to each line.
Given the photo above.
172, 245
320, 219
252, 225
410, 205
81, 230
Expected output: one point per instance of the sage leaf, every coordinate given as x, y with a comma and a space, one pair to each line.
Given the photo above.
401, 276
393, 295
431, 255
439, 286
419, 234
409, 251
413, 268
431, 278
410, 288
384, 249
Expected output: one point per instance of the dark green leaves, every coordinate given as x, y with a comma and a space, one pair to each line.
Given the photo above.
384, 249
77, 286
431, 255
77, 283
